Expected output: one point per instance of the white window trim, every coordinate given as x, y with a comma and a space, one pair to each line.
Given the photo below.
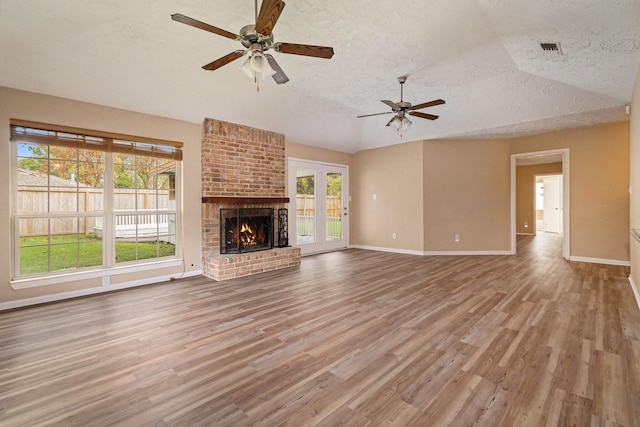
33, 282
109, 265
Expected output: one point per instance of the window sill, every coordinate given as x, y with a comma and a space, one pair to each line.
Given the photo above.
34, 282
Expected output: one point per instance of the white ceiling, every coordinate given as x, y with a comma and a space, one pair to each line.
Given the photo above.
482, 56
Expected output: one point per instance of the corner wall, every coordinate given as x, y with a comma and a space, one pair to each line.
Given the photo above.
428, 191
634, 166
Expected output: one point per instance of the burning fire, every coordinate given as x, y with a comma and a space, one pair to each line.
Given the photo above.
247, 235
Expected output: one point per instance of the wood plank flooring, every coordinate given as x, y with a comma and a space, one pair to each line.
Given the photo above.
350, 338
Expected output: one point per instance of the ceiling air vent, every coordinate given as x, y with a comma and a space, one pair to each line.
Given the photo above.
551, 47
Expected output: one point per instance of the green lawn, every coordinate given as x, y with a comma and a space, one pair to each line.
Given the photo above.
81, 250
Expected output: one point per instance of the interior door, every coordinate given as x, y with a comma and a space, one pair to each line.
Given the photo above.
552, 205
318, 195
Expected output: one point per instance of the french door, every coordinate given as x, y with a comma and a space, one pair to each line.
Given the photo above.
318, 213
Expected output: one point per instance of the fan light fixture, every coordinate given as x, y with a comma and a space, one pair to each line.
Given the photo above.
256, 66
401, 123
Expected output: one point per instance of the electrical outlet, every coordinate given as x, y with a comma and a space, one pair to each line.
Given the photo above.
456, 237
394, 236
375, 197
106, 280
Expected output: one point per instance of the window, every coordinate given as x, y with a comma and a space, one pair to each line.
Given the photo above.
91, 200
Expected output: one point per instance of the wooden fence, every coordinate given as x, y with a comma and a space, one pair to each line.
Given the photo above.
33, 200
306, 215
306, 206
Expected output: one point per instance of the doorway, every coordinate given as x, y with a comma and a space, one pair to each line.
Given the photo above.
549, 204
563, 219
318, 212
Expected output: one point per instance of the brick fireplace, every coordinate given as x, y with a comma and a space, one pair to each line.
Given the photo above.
242, 168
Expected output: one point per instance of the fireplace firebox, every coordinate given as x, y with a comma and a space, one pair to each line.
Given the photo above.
246, 230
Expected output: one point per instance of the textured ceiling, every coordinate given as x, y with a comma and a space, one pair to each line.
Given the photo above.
482, 56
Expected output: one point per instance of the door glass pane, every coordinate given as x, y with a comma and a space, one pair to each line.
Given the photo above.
334, 206
305, 206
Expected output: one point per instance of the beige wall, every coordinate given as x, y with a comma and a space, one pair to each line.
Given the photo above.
395, 175
466, 192
525, 198
40, 108
635, 182
599, 182
306, 152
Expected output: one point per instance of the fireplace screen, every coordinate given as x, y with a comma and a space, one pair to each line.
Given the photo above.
246, 230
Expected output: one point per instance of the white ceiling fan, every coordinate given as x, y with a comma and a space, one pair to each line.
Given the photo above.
401, 109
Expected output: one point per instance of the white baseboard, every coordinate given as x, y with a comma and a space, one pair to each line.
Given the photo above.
91, 291
393, 250
429, 253
456, 253
635, 290
600, 261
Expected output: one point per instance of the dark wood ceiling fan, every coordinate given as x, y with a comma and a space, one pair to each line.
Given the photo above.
257, 39
402, 108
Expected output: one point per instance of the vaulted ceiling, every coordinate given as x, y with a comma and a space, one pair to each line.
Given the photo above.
482, 56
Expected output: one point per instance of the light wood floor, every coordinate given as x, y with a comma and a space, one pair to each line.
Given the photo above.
350, 338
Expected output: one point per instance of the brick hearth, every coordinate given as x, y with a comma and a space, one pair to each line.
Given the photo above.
248, 165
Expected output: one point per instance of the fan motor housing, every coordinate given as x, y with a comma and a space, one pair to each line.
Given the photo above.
249, 36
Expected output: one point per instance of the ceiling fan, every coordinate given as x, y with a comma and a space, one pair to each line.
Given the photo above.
400, 121
257, 39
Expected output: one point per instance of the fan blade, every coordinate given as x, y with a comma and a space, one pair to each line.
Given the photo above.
427, 104
224, 60
305, 50
269, 13
423, 115
375, 114
391, 104
194, 23
280, 77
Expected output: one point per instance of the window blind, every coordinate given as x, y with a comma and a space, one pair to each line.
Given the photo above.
63, 136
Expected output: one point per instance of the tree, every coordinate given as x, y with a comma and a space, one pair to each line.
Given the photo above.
34, 159
138, 172
87, 167
334, 184
71, 164
305, 185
